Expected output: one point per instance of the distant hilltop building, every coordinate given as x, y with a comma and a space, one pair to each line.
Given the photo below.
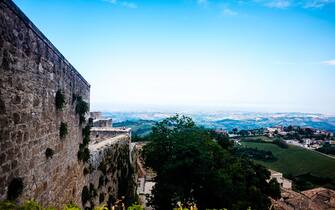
99, 121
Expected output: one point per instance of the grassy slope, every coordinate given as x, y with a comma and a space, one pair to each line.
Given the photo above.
139, 127
297, 161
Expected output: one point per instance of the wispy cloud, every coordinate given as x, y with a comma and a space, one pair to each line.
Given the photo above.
229, 12
126, 4
283, 4
329, 62
279, 4
318, 3
130, 5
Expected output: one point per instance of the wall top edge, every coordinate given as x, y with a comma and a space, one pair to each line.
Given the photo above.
12, 6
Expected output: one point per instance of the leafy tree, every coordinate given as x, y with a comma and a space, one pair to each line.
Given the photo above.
243, 133
192, 165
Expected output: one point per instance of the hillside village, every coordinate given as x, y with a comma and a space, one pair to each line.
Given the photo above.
308, 138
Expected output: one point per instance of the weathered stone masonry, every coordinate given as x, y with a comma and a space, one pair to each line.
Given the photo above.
31, 72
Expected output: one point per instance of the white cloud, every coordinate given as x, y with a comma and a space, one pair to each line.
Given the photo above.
126, 4
229, 12
279, 4
329, 62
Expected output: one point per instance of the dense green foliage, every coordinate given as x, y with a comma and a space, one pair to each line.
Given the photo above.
327, 149
194, 164
297, 132
33, 205
88, 193
295, 161
59, 100
281, 143
28, 205
254, 153
84, 153
63, 130
135, 207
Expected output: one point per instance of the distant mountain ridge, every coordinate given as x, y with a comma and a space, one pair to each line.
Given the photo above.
228, 120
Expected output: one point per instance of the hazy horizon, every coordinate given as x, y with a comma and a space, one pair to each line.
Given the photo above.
180, 109
258, 55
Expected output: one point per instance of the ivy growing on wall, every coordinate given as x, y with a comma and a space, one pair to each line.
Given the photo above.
63, 131
49, 153
84, 152
85, 195
60, 100
88, 194
82, 109
101, 197
15, 188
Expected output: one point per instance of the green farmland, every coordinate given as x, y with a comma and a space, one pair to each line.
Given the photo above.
296, 161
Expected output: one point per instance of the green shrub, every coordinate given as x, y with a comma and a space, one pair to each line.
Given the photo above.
15, 188
135, 207
49, 153
71, 206
59, 100
7, 205
63, 131
103, 207
28, 205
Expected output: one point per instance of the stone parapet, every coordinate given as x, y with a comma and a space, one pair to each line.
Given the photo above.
99, 134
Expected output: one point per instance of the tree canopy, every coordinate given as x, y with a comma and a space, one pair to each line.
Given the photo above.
194, 164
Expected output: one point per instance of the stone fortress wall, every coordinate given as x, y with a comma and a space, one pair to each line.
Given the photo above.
32, 70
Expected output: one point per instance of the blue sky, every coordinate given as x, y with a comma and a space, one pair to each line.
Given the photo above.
256, 55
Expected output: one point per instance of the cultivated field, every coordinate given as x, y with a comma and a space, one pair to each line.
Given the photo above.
296, 160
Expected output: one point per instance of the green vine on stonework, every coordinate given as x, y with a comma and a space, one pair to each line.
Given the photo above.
84, 153
15, 188
82, 109
49, 153
59, 100
88, 194
63, 130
